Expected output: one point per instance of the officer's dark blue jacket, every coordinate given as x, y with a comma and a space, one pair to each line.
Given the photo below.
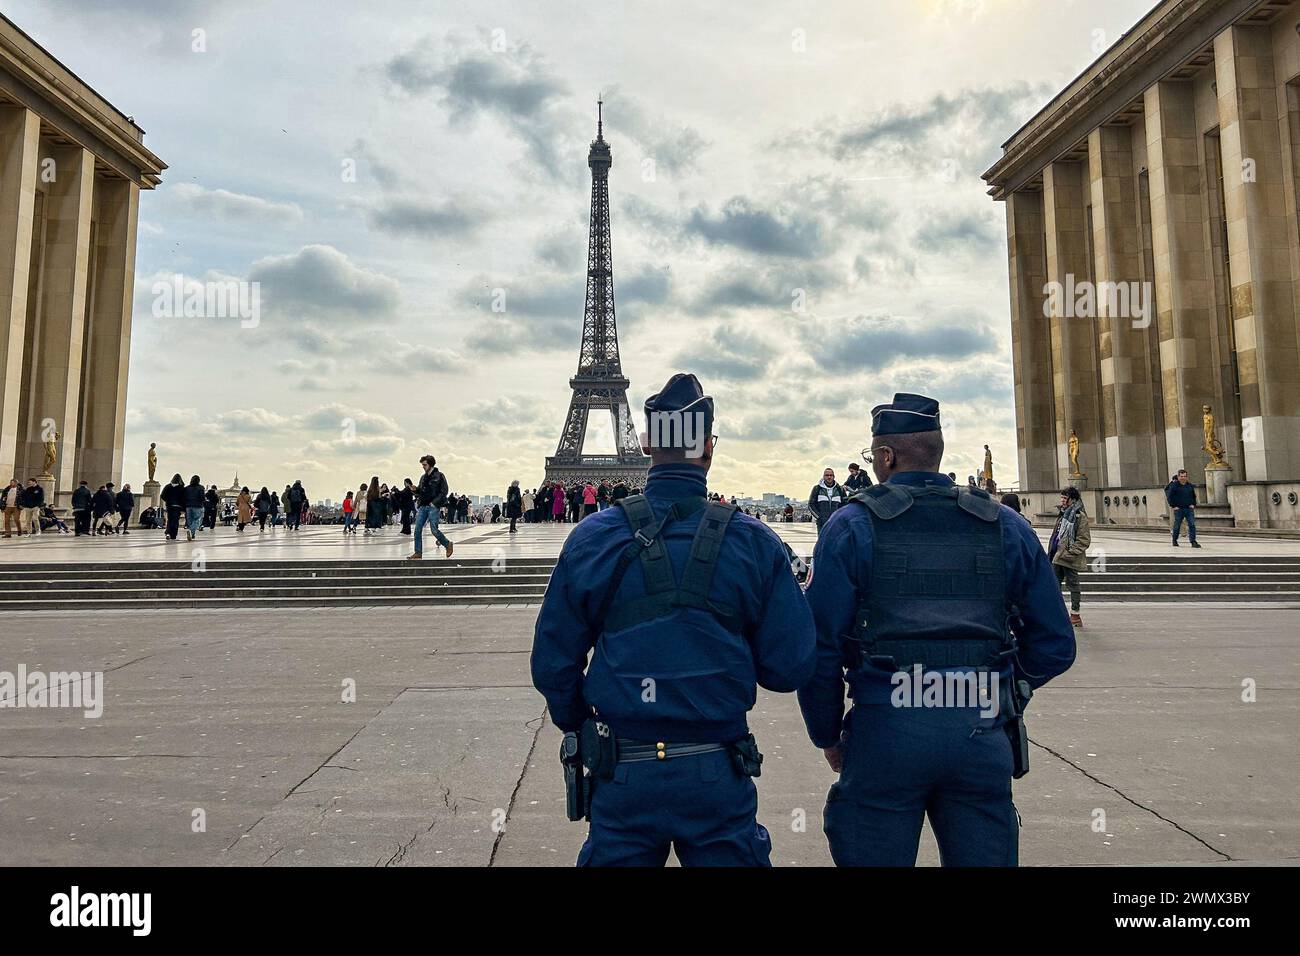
842, 570
702, 676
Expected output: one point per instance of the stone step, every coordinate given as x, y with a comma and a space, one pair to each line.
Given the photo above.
357, 582
369, 600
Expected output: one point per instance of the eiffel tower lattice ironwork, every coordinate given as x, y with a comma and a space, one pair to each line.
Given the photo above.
600, 384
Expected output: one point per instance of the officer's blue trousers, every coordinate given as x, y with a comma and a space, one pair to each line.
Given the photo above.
901, 764
701, 806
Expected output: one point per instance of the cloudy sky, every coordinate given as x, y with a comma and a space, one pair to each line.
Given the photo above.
797, 213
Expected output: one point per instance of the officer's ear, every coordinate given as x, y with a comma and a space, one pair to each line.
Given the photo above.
644, 439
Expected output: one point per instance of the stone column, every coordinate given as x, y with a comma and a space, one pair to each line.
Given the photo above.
109, 329
1184, 285
20, 131
57, 398
1074, 351
1259, 264
1128, 394
1031, 347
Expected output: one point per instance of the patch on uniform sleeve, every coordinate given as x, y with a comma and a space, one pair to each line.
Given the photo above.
799, 567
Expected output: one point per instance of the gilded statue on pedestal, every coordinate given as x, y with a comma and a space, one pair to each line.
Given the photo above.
988, 464
1212, 446
1074, 456
51, 453
153, 459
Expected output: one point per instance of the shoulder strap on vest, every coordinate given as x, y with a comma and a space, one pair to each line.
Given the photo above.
645, 529
705, 548
979, 503
885, 501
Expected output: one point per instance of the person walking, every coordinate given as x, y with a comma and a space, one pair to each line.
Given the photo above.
374, 507
1068, 547
1181, 495
125, 504
104, 509
359, 505
82, 501
193, 499
920, 586
588, 499
297, 507
275, 510
349, 512
406, 502
12, 510
429, 495
173, 497
559, 501
32, 500
514, 504
211, 505
826, 497
247, 506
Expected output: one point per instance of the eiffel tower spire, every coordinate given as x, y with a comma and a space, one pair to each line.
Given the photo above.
599, 383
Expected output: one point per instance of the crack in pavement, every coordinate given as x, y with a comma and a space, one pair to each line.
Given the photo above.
403, 848
295, 787
514, 795
1141, 806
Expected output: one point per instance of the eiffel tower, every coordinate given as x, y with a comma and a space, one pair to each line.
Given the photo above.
600, 383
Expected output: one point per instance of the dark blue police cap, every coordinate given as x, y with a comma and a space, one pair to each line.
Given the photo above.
681, 393
906, 413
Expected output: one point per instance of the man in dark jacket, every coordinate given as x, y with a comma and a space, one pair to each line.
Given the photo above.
211, 504
173, 496
680, 756
857, 479
430, 494
31, 500
103, 505
125, 503
406, 504
1181, 495
82, 499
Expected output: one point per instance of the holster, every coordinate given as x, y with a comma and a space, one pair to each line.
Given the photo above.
577, 788
747, 757
1017, 732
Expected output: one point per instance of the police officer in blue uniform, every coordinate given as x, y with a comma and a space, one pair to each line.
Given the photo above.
685, 606
922, 591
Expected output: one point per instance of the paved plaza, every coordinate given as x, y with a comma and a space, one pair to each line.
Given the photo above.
328, 543
1145, 751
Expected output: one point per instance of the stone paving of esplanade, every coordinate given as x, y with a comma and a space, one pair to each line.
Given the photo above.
239, 713
328, 543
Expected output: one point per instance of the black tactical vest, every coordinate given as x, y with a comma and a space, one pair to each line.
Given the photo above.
937, 595
662, 592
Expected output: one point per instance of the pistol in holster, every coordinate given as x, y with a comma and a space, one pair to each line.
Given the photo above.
1017, 733
586, 756
577, 790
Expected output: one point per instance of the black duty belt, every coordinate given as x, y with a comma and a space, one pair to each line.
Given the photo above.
634, 751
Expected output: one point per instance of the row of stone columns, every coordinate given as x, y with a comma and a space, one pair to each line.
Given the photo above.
67, 263
1133, 395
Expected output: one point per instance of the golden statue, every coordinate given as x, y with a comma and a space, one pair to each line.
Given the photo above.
51, 453
1212, 446
988, 464
153, 459
1074, 456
